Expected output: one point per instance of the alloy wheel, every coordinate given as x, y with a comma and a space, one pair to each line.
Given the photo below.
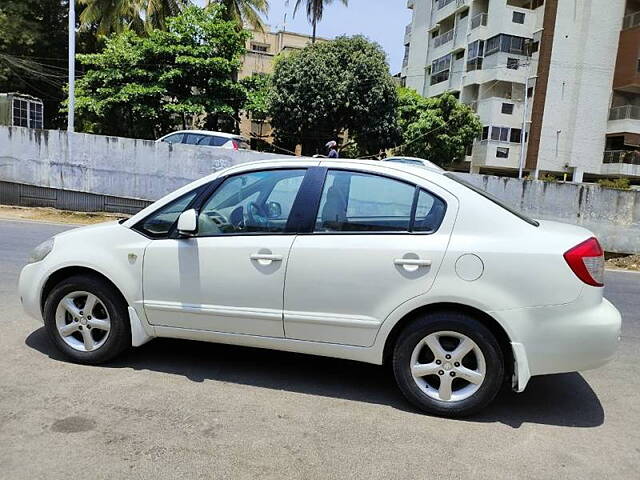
82, 321
448, 366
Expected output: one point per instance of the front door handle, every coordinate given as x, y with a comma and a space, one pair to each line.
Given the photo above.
269, 257
413, 262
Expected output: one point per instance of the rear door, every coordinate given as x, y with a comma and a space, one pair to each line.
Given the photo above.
377, 241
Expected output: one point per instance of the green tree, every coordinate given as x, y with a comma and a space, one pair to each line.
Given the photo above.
438, 129
315, 9
258, 90
109, 16
327, 88
245, 11
142, 86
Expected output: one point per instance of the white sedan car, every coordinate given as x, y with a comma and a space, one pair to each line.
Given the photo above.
370, 261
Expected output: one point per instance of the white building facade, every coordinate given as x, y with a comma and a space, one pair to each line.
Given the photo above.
556, 83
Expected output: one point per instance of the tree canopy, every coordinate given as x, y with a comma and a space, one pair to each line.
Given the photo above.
141, 86
327, 88
439, 129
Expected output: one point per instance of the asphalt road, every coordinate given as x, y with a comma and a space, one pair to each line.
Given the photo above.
176, 409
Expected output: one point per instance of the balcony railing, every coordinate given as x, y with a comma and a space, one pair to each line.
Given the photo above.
407, 31
624, 112
630, 21
442, 39
479, 20
622, 156
443, 3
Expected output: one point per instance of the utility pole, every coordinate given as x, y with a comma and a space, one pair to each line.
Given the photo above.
523, 135
72, 66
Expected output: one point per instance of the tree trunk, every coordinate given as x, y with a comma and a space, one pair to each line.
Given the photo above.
313, 38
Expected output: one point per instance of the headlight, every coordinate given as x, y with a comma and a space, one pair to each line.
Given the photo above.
41, 251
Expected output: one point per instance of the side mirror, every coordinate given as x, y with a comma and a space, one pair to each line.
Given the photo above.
188, 222
274, 210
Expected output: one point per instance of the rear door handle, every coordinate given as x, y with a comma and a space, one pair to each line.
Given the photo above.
414, 262
266, 256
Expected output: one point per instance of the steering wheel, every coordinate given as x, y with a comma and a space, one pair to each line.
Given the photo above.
256, 216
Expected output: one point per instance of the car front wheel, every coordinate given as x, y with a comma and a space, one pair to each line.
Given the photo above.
448, 364
87, 320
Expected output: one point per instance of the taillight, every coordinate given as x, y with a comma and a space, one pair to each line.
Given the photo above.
587, 262
236, 146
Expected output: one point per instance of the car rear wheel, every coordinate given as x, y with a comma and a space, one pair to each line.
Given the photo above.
87, 320
448, 364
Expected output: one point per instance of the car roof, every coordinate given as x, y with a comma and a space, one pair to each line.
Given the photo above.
208, 133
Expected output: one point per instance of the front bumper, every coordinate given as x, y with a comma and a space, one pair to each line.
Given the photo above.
30, 286
562, 338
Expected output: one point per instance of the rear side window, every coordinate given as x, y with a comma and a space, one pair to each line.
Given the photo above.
215, 141
194, 139
495, 200
357, 202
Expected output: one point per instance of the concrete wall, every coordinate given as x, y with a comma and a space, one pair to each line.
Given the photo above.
133, 169
613, 215
97, 164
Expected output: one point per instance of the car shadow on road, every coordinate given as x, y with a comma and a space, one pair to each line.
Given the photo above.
561, 400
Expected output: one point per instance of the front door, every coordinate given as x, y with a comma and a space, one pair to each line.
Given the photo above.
377, 242
230, 276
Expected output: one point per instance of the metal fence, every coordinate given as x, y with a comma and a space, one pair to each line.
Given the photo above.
442, 39
35, 196
624, 112
622, 156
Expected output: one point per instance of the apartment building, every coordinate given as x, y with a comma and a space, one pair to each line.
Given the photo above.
555, 82
262, 49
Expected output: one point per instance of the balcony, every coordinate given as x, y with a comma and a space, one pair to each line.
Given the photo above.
479, 20
631, 21
445, 8
624, 112
410, 4
624, 119
443, 39
631, 157
621, 162
407, 34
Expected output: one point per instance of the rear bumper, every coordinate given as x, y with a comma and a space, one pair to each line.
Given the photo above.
563, 338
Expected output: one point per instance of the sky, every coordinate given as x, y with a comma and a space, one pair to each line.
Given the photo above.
382, 21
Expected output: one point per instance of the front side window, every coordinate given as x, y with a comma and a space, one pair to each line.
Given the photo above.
255, 202
357, 202
159, 223
175, 138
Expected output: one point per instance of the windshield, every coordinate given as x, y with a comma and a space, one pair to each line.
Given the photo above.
495, 200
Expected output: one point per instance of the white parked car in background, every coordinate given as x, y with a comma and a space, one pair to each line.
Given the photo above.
363, 260
414, 161
207, 139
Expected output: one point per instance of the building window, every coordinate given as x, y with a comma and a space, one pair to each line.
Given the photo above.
260, 48
474, 56
35, 115
516, 135
502, 152
20, 113
464, 13
460, 55
506, 43
507, 108
440, 69
500, 134
529, 92
434, 34
513, 63
485, 133
518, 17
535, 46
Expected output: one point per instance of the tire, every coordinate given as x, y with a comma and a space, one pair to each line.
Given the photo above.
96, 336
483, 364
